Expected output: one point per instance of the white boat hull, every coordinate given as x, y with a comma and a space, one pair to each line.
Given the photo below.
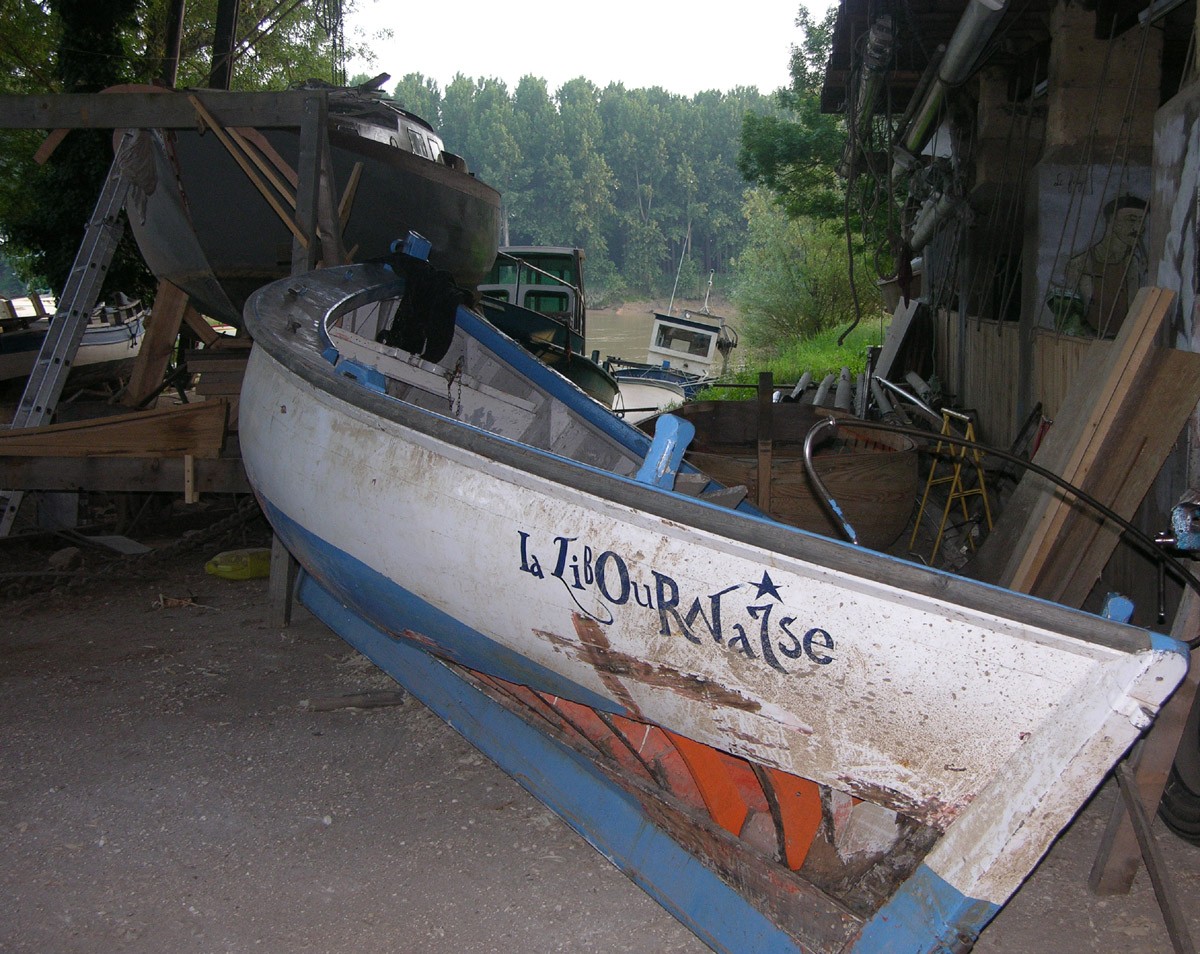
986, 716
104, 350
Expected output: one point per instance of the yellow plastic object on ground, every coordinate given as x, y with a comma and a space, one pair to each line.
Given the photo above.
249, 564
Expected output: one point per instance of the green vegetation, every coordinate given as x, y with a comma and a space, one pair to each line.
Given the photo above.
819, 354
641, 179
791, 276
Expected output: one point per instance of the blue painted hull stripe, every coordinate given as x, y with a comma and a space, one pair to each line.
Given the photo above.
920, 912
376, 598
608, 817
926, 916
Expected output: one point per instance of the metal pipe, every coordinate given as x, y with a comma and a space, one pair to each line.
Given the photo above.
822, 491
931, 214
974, 30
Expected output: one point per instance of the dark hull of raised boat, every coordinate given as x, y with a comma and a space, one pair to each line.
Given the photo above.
206, 228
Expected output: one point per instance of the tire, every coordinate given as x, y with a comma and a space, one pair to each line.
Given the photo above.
1180, 805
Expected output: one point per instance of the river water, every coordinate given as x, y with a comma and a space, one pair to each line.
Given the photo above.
622, 332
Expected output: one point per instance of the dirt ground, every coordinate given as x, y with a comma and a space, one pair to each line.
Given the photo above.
164, 788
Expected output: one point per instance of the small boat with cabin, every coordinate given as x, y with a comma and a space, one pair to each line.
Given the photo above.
535, 294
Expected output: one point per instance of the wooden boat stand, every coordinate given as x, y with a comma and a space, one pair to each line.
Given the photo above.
315, 215
1141, 777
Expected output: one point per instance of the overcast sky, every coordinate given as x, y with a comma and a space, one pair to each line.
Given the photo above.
635, 42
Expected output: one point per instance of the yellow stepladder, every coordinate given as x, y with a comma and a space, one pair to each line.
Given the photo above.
958, 491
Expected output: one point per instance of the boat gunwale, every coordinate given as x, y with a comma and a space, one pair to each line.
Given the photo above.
302, 355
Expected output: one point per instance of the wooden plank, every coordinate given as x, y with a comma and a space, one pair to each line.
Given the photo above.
216, 359
897, 330
161, 109
224, 475
765, 440
1146, 428
1118, 857
1074, 445
203, 331
162, 329
282, 583
220, 382
197, 429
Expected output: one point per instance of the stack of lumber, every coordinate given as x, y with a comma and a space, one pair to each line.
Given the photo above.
219, 371
1123, 412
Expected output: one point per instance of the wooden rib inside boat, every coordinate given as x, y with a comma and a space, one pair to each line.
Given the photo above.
871, 474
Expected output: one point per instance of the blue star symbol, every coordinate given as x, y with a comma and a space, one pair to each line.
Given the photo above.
766, 587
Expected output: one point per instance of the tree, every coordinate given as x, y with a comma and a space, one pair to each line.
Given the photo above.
795, 153
43, 208
86, 45
422, 96
791, 278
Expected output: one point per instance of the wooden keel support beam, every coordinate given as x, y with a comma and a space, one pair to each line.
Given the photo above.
765, 441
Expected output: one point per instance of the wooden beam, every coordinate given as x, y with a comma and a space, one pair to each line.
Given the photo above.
314, 144
766, 440
282, 584
224, 475
162, 329
149, 109
197, 429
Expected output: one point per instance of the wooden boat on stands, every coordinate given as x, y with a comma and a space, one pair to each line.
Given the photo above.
203, 225
793, 743
871, 474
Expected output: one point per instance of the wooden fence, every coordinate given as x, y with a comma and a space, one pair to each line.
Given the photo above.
990, 379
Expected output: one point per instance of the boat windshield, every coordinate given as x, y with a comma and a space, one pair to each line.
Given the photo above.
672, 338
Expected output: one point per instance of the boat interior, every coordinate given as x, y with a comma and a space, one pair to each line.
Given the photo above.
484, 379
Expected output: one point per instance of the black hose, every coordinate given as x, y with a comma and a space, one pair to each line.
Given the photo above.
1150, 545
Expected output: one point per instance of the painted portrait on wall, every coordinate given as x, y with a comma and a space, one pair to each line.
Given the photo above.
1107, 274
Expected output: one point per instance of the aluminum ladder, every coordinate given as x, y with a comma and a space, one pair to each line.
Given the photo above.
82, 289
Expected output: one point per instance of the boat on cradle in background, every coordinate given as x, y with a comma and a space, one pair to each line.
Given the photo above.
202, 225
111, 340
871, 474
793, 743
535, 295
681, 353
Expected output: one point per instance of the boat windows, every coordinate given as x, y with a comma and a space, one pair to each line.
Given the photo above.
546, 302
502, 273
418, 144
681, 339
